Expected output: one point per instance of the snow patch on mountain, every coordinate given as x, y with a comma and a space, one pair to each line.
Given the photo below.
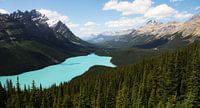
117, 33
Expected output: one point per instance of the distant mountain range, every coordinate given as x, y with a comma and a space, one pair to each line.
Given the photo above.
27, 42
152, 35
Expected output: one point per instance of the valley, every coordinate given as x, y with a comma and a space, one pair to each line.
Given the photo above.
59, 73
45, 64
28, 43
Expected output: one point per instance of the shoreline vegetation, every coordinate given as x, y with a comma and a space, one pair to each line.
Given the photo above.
63, 72
168, 80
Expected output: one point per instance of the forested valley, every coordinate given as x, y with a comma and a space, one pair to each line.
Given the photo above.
170, 80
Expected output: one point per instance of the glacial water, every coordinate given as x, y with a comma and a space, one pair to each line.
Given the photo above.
58, 73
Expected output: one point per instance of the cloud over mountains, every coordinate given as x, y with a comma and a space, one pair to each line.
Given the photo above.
144, 9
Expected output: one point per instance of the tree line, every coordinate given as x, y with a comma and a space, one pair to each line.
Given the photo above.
171, 80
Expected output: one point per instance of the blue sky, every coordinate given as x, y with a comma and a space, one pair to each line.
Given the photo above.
85, 17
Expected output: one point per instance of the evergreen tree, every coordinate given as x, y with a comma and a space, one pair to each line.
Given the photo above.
2, 96
171, 80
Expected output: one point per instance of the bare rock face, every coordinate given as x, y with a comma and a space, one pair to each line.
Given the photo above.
186, 32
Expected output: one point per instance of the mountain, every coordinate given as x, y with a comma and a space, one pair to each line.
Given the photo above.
64, 32
152, 22
154, 35
27, 42
111, 39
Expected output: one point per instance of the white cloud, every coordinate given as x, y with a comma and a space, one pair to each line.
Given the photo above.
163, 11
197, 8
3, 11
183, 15
134, 22
72, 25
129, 8
54, 16
86, 32
145, 8
90, 24
160, 12
88, 29
173, 1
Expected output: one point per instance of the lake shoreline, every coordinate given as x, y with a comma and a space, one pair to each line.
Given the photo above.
61, 72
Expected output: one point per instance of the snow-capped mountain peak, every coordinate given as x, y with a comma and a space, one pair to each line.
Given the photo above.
52, 22
195, 17
33, 15
152, 32
117, 33
152, 22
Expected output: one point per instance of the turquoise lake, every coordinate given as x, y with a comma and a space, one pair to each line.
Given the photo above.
58, 73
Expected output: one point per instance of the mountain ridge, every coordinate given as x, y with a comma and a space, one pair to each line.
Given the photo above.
28, 43
153, 31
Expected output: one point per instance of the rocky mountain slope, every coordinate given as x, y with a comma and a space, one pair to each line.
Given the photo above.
110, 39
154, 35
27, 42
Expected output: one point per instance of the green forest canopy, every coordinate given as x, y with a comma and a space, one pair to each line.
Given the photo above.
171, 80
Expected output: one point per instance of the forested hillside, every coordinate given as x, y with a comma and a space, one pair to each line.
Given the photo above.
171, 80
28, 43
